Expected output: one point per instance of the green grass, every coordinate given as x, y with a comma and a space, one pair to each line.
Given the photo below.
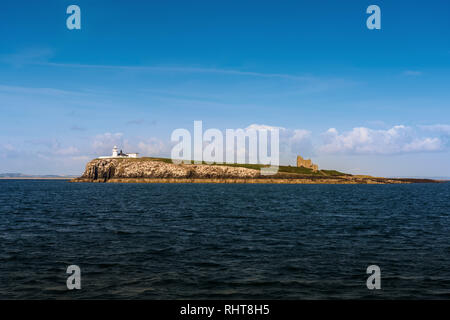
281, 169
334, 173
298, 170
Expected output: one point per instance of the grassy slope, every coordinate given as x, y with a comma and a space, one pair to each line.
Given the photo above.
282, 169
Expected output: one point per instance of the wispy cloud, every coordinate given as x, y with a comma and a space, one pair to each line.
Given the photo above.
34, 90
29, 56
180, 69
77, 128
412, 73
139, 122
69, 151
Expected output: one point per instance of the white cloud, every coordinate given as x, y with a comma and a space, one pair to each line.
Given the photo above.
361, 140
7, 147
293, 142
8, 151
440, 128
425, 144
103, 143
153, 147
255, 126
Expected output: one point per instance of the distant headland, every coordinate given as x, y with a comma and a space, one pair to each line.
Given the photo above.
129, 168
21, 176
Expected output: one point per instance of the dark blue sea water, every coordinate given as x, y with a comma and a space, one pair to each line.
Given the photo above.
212, 241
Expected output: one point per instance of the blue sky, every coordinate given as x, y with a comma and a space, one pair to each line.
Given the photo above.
353, 99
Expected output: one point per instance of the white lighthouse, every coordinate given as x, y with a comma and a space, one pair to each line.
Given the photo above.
119, 154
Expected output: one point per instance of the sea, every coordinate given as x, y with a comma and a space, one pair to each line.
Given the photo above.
223, 241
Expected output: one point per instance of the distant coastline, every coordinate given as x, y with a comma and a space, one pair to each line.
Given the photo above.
21, 176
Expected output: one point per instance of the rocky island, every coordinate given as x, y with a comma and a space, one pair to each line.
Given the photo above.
161, 170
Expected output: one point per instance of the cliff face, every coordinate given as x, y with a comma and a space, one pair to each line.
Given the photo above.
107, 169
148, 170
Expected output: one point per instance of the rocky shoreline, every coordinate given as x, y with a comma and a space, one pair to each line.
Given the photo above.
148, 170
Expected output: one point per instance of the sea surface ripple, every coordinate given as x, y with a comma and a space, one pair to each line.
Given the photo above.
219, 241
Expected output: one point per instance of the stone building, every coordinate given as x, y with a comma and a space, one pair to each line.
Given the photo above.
307, 164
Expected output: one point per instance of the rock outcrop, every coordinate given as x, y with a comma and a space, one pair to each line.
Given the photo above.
103, 170
150, 170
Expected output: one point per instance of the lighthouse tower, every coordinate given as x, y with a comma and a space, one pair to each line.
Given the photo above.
115, 152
